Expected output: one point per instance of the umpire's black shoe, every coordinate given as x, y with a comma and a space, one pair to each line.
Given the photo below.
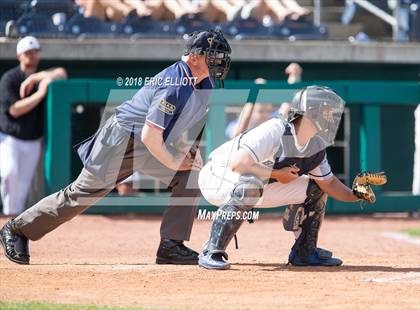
175, 252
14, 244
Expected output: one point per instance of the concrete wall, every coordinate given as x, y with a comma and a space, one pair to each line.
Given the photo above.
321, 60
249, 50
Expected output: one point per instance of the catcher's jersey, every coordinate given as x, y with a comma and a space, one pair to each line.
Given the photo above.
268, 144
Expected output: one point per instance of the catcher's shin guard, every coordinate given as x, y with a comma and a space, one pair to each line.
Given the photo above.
293, 217
228, 220
305, 220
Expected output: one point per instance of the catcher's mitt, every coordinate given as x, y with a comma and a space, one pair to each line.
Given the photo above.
361, 185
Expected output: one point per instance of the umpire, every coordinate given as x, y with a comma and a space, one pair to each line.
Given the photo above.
144, 135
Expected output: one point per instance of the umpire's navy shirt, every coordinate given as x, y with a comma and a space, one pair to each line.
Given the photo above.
169, 101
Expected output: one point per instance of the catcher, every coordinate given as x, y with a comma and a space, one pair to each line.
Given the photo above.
283, 161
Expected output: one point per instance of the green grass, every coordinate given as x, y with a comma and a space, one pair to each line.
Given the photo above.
414, 232
50, 306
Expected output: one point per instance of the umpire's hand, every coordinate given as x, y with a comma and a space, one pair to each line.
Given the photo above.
189, 158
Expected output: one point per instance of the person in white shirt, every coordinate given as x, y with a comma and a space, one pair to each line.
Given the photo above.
283, 161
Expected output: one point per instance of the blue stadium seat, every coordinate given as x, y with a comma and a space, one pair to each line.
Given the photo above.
190, 23
39, 25
2, 27
249, 28
50, 7
81, 26
146, 26
301, 29
383, 5
10, 10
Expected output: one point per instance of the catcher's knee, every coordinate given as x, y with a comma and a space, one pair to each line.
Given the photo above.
247, 191
294, 215
316, 199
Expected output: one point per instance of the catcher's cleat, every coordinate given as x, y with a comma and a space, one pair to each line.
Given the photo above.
175, 252
314, 259
14, 244
324, 254
213, 261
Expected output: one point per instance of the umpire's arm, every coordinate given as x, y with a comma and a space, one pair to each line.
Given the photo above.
152, 137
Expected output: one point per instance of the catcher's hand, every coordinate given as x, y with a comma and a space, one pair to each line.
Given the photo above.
361, 185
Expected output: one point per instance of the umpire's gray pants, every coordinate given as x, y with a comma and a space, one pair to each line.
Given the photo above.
88, 188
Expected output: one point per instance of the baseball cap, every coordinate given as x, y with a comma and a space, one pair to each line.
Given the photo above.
215, 47
201, 41
26, 44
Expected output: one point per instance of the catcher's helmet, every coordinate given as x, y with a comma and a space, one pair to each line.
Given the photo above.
322, 106
214, 45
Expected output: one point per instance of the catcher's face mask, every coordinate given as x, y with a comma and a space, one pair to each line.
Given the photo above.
323, 107
325, 110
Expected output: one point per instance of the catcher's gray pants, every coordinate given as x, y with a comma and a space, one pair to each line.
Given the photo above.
60, 207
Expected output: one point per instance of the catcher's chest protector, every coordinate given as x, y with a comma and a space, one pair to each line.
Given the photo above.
304, 163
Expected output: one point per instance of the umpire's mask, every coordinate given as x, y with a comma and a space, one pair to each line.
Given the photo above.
214, 45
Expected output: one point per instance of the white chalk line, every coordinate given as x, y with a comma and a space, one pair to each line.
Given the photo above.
402, 237
134, 267
126, 267
408, 277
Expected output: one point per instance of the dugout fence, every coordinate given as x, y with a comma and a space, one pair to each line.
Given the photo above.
377, 134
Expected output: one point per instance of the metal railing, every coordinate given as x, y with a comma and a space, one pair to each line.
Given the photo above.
317, 12
398, 20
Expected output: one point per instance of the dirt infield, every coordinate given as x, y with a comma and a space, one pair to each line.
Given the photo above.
110, 261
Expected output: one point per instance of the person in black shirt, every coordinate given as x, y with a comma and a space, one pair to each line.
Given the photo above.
22, 91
